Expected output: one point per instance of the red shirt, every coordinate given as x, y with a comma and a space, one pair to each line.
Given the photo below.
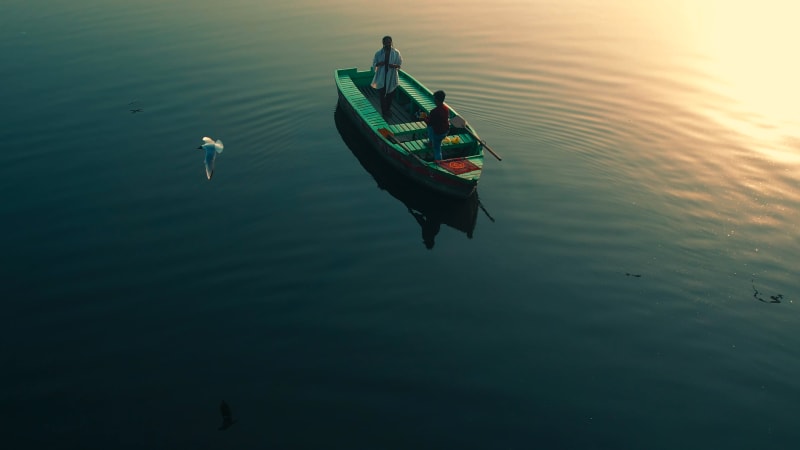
439, 119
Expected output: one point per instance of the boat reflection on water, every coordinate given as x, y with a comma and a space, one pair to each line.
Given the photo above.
429, 209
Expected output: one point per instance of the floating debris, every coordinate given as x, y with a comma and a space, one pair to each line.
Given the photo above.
757, 295
135, 110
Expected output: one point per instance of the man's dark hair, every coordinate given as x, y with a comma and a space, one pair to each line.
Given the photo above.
438, 96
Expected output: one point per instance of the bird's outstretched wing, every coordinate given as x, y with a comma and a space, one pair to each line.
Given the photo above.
219, 146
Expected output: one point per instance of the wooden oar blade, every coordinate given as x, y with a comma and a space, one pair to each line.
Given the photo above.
458, 122
388, 135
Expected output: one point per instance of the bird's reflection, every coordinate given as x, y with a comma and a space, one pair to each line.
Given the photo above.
429, 209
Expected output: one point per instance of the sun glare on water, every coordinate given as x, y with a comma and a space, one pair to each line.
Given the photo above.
752, 47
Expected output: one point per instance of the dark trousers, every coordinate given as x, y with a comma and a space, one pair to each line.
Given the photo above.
386, 101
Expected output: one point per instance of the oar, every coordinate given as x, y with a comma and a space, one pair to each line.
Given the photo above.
459, 122
390, 136
485, 211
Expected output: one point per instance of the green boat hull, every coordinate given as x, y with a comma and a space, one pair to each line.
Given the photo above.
402, 139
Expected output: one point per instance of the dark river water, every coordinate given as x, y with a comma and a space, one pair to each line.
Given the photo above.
625, 278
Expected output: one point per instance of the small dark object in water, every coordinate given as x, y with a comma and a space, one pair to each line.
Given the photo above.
637, 275
775, 298
134, 111
227, 416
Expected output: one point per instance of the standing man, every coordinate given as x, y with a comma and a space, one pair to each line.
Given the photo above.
385, 64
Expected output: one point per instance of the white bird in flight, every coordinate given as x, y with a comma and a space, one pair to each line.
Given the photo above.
212, 148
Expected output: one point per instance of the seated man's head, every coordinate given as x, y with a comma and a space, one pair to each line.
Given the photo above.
438, 97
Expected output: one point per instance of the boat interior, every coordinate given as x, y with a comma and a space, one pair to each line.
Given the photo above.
412, 132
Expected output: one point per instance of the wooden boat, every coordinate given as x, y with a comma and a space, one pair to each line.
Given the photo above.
402, 139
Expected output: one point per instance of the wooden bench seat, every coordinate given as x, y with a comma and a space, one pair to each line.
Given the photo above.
408, 127
420, 146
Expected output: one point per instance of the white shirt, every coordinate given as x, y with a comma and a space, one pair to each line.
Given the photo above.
381, 77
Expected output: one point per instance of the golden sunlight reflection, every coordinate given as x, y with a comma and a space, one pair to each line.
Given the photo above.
751, 46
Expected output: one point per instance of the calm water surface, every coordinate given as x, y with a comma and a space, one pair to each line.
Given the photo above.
625, 279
